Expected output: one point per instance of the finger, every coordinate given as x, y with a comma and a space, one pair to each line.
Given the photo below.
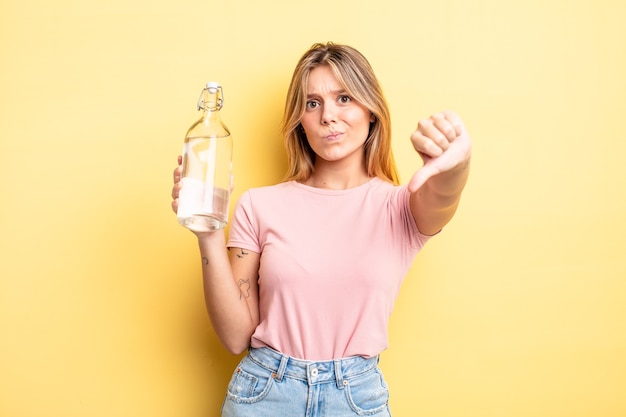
178, 171
444, 126
455, 121
177, 174
429, 129
425, 146
176, 190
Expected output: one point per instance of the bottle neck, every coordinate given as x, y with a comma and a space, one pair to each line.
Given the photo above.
210, 100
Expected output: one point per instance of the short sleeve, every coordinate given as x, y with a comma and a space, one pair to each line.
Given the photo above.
401, 200
244, 229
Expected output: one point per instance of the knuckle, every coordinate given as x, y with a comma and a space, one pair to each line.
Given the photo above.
424, 122
449, 131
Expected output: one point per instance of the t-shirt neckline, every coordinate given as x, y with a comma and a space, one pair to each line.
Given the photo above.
327, 191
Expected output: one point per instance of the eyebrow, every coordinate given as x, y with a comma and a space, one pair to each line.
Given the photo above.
335, 92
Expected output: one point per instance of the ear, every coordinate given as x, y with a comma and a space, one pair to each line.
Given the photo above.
372, 118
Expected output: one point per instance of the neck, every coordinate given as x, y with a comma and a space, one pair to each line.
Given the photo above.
336, 178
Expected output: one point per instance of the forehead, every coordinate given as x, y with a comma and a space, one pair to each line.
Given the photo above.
322, 79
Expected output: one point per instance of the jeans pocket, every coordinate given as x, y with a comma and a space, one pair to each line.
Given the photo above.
249, 383
368, 394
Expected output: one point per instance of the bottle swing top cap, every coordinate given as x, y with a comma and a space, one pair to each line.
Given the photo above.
213, 85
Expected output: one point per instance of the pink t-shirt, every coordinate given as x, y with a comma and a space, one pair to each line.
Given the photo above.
332, 262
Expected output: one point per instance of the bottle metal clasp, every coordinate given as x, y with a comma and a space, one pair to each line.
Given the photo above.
219, 97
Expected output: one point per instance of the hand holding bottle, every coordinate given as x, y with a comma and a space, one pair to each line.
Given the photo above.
178, 173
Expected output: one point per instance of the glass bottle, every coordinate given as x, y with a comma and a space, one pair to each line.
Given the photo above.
206, 179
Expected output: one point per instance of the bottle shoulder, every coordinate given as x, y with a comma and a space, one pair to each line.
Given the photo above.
207, 128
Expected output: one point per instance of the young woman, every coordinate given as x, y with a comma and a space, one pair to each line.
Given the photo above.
312, 267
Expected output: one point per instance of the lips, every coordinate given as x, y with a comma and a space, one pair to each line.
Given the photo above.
333, 135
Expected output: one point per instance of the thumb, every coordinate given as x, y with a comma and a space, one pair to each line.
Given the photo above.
420, 177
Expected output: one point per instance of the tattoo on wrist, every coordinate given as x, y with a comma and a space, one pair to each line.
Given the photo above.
205, 260
242, 253
244, 288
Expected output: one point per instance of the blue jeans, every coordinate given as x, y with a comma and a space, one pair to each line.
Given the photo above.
269, 384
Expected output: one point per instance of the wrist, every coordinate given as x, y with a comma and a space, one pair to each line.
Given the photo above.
450, 183
216, 236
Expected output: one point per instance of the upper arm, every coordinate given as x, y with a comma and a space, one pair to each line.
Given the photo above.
245, 267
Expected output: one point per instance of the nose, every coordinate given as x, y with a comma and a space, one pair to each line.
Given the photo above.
329, 114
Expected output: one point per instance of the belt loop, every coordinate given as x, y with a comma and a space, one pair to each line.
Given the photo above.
281, 368
338, 374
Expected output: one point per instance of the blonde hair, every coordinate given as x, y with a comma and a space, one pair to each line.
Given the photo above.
356, 76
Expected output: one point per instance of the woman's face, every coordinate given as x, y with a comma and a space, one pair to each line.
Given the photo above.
336, 125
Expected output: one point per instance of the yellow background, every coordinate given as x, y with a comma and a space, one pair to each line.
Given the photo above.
517, 309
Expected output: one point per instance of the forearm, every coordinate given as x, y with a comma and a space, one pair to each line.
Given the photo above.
228, 309
435, 203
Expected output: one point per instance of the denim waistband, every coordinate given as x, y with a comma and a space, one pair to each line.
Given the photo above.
313, 372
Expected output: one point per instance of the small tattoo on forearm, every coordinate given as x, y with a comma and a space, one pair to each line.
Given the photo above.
242, 254
205, 260
244, 288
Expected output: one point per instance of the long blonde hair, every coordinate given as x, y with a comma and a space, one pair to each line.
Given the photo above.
356, 76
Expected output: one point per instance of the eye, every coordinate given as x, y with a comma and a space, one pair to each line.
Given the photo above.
312, 104
344, 99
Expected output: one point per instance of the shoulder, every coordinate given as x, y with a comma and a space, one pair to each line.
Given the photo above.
391, 191
268, 191
276, 188
265, 195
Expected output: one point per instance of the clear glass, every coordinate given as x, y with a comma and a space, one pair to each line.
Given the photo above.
206, 180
